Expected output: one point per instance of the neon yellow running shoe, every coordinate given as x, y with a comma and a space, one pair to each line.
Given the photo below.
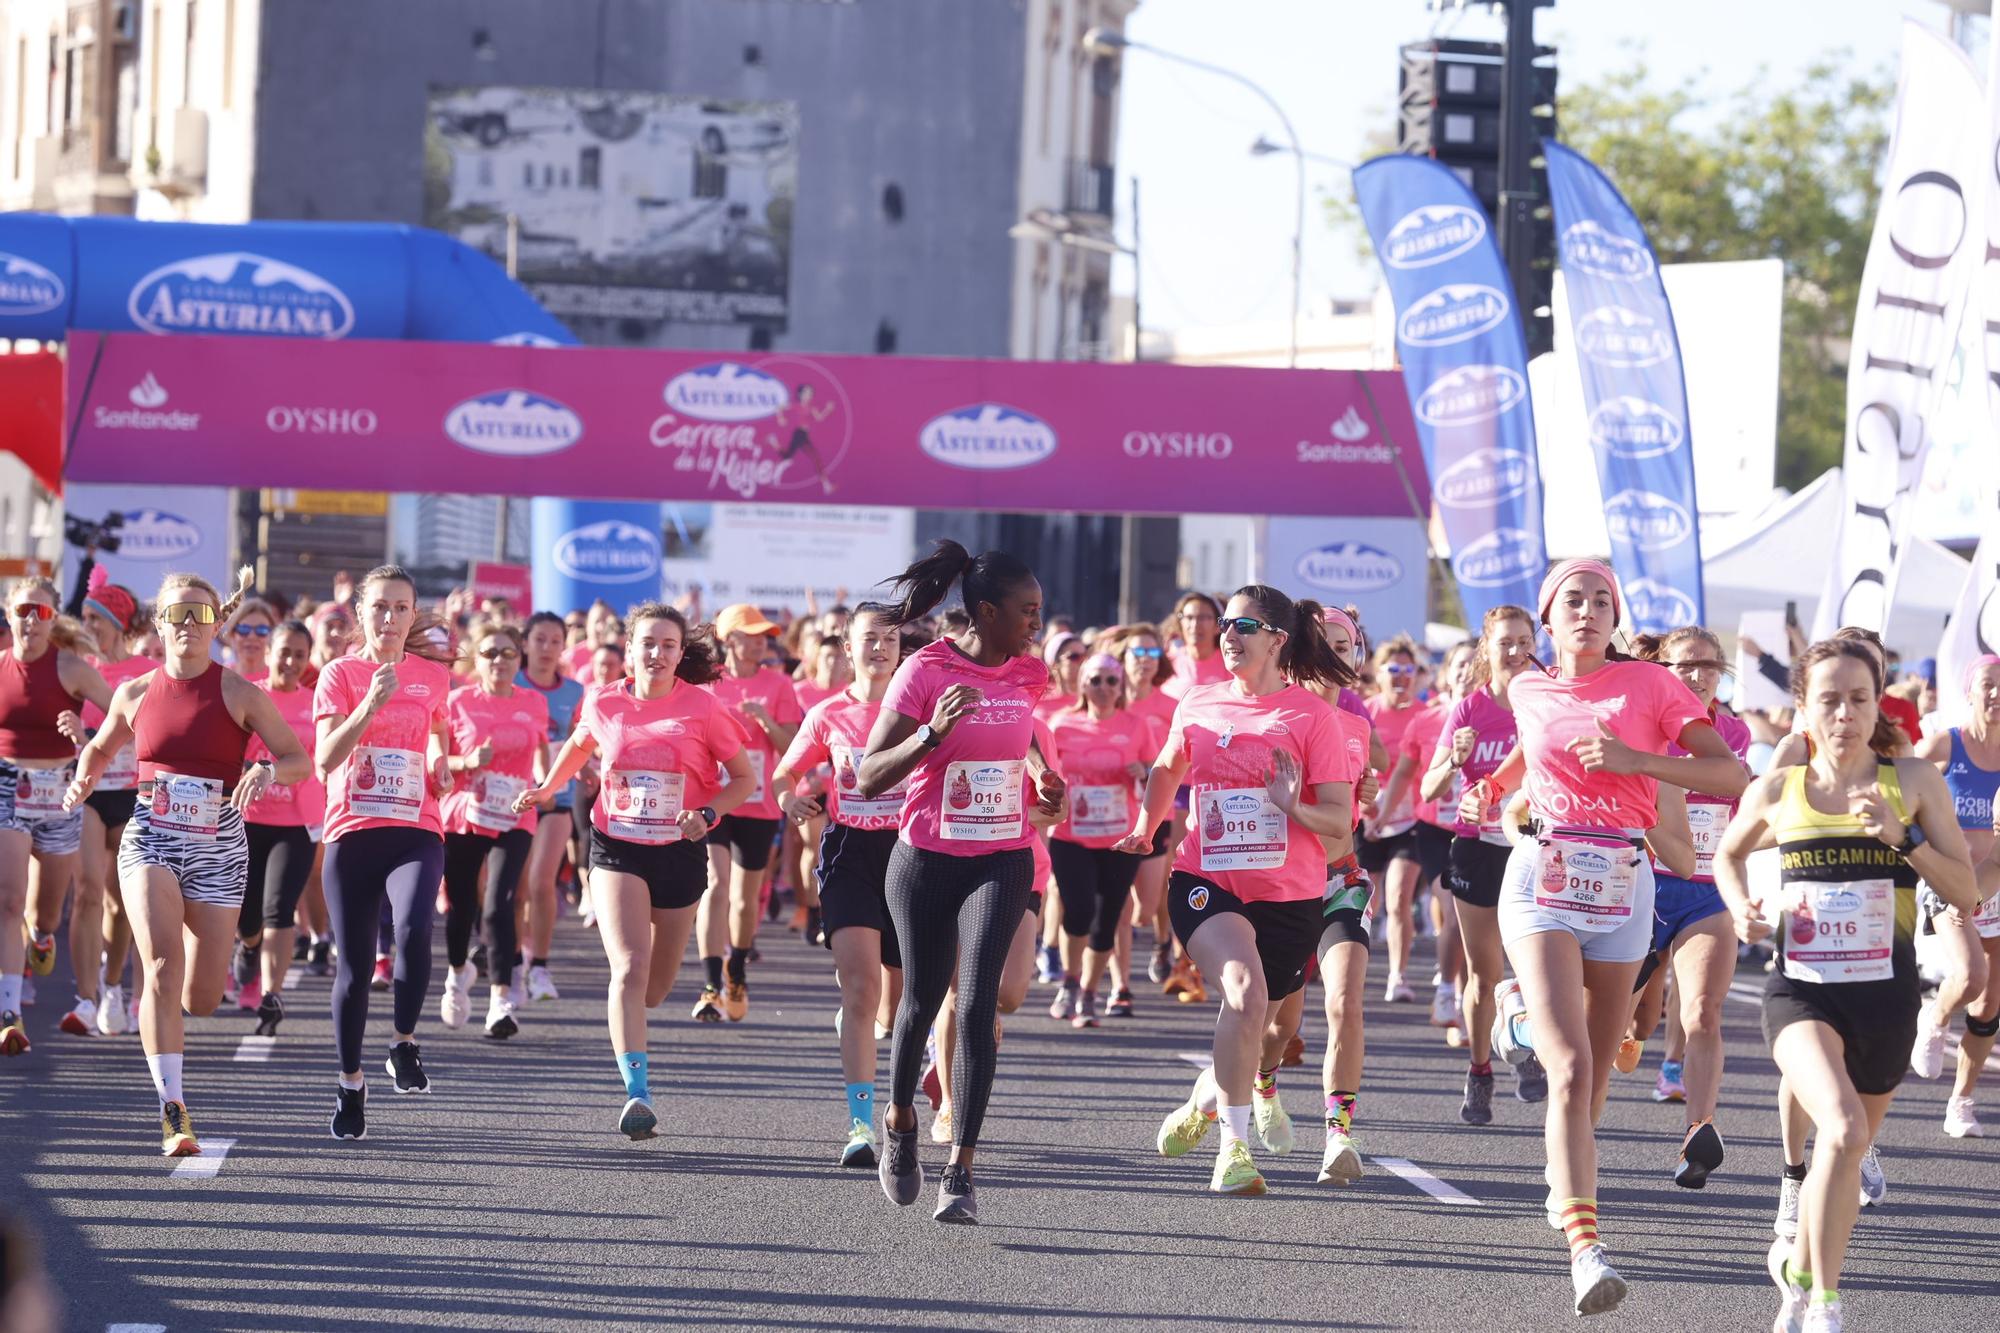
177, 1132
1187, 1124
1274, 1122
1235, 1173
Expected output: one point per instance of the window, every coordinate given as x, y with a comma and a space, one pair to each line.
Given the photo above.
589, 163
485, 171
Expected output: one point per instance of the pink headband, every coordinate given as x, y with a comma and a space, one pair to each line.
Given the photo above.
1561, 574
1053, 649
1972, 669
1106, 662
1333, 615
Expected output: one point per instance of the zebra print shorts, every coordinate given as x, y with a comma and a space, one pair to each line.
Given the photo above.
53, 835
209, 872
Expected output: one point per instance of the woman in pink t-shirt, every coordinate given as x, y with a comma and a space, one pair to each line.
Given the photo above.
957, 726
673, 765
1388, 847
1576, 907
283, 827
1272, 777
1197, 621
1147, 670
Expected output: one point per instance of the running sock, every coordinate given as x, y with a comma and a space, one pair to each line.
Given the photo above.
354, 1086
1484, 1069
1235, 1123
861, 1102
1670, 1070
713, 966
1827, 1296
1796, 1276
632, 1066
1340, 1111
1579, 1224
167, 1078
739, 960
10, 994
1797, 1173
1267, 1082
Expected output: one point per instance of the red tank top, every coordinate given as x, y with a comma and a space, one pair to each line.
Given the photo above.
184, 727
31, 697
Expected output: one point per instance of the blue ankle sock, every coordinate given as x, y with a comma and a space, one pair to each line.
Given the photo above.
861, 1102
632, 1067
1672, 1069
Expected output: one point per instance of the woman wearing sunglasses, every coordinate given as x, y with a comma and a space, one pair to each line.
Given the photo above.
500, 749
282, 827
1388, 850
379, 718
1144, 660
1272, 777
43, 678
248, 636
184, 859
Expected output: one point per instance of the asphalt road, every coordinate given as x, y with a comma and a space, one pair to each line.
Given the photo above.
506, 1201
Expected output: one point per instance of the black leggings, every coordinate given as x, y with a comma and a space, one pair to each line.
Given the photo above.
954, 912
281, 860
1095, 883
504, 857
363, 870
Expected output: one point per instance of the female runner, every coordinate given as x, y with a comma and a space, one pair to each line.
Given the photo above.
248, 635
1147, 669
1432, 833
826, 672
1197, 622
1388, 847
541, 670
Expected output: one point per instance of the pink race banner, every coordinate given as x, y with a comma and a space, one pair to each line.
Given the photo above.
617, 424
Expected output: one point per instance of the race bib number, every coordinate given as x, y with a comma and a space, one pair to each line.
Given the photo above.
1241, 830
982, 800
493, 801
1100, 811
386, 784
38, 792
1840, 932
186, 808
847, 797
642, 805
122, 773
1589, 884
1987, 919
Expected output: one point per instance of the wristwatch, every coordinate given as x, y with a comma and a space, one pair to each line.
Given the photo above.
708, 815
927, 738
1913, 838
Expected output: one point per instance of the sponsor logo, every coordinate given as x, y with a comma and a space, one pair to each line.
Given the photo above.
1659, 606
1841, 901
1350, 428
988, 437
1501, 557
747, 429
1241, 805
1275, 727
1629, 427
388, 761
418, 690
1593, 248
1645, 520
321, 421
1348, 432
149, 410
1198, 898
525, 339
1486, 476
513, 423
1614, 336
726, 391
1432, 234
239, 293
148, 393
1350, 566
1178, 444
26, 288
612, 551
1471, 394
1584, 861
155, 534
1452, 314
989, 777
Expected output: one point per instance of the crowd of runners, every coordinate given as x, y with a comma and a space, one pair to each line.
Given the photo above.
962, 792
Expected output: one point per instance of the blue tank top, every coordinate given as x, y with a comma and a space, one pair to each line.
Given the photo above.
1972, 787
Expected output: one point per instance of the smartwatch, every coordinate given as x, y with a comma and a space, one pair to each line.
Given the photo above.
927, 738
1913, 838
708, 816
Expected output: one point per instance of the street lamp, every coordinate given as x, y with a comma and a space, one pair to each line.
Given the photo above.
1105, 42
1264, 147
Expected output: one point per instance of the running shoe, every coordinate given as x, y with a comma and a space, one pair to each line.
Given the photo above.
1513, 1041
250, 994
1048, 965
1193, 990
735, 1000
13, 1037
1599, 1289
1961, 1121
1177, 976
941, 1125
385, 974
322, 958
1340, 1164
500, 1021
956, 1205
1550, 1212
860, 1149
82, 1022
883, 1031
901, 1171
1187, 1124
41, 952
517, 989
455, 1004
1444, 1006
1531, 1081
1235, 1171
301, 946
1701, 1153
1063, 1007
1086, 1010
1927, 1055
1273, 1121
177, 1132
1295, 1052
1630, 1052
1822, 1317
708, 1008
1477, 1108
1120, 1005
1454, 1036
350, 1112
1162, 964
1874, 1185
1785, 1225
1398, 991
637, 1120
27, 991
111, 1013
1669, 1088
541, 986
1793, 1299
270, 1013
406, 1065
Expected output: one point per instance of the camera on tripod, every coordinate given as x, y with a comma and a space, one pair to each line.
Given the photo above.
102, 535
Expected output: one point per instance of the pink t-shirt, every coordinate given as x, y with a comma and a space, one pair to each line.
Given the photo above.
810, 692
836, 732
1157, 708
1240, 841
1709, 815
576, 661
1495, 725
122, 772
966, 795
1420, 741
1095, 760
385, 780
659, 756
773, 689
1644, 705
1390, 723
482, 800
289, 804
1190, 671
1355, 729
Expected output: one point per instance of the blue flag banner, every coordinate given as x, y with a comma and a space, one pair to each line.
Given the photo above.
1634, 392
1465, 365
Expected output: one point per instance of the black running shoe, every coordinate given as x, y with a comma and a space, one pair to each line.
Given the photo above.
270, 1013
956, 1203
406, 1065
901, 1172
1700, 1154
350, 1112
322, 958
301, 947
1531, 1081
1477, 1108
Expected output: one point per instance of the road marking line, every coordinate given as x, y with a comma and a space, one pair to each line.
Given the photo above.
206, 1165
292, 979
1424, 1180
255, 1050
135, 1328
1199, 1059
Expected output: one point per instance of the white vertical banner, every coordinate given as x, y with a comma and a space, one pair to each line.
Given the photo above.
1929, 237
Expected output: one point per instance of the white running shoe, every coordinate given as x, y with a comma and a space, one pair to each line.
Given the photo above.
1398, 991
111, 1014
1960, 1120
455, 1005
1793, 1298
1785, 1225
542, 986
1512, 1039
500, 1021
82, 1020
883, 1032
1551, 1213
1599, 1289
1273, 1121
1340, 1164
1823, 1317
1444, 1006
1874, 1185
517, 990
1927, 1055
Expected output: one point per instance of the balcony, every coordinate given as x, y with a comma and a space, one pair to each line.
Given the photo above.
1090, 190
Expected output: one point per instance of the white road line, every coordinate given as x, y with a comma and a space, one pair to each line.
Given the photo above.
1424, 1180
206, 1165
135, 1328
255, 1050
1199, 1059
292, 979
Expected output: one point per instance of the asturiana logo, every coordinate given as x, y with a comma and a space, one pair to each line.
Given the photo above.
513, 423
1648, 521
1451, 314
988, 437
1595, 249
1484, 477
1468, 395
1629, 427
155, 534
239, 293
1432, 234
1658, 607
612, 551
26, 288
1614, 335
726, 391
1350, 566
1501, 557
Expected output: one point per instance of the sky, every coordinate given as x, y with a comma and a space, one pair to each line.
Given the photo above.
1217, 222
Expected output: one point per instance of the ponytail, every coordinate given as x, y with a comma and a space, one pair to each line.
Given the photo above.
246, 579
1307, 658
986, 577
